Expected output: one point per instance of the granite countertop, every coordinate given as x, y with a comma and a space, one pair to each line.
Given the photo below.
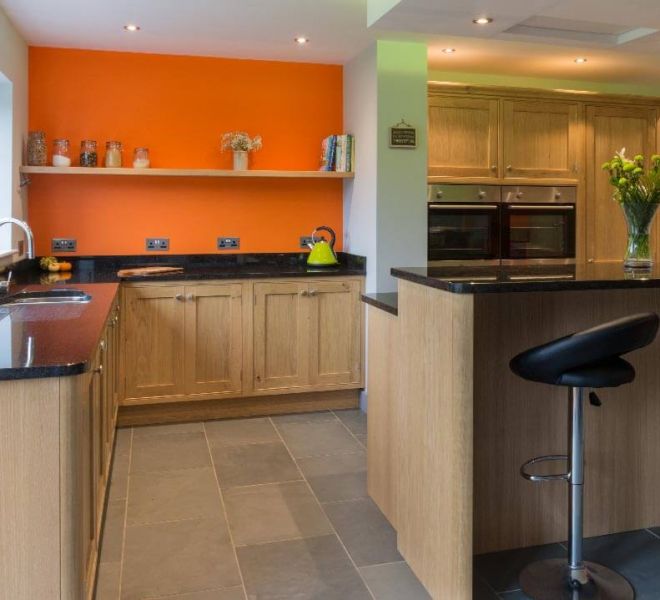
530, 278
53, 340
103, 269
387, 301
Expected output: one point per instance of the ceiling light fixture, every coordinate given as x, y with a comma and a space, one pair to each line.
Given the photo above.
132, 27
482, 21
580, 60
449, 50
301, 40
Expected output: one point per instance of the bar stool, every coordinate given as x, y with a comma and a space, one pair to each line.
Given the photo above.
584, 360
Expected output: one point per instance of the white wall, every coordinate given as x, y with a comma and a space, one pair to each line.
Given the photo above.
14, 69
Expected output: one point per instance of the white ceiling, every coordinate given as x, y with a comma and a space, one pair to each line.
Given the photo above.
554, 31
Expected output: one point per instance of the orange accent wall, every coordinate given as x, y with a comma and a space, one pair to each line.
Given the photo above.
178, 106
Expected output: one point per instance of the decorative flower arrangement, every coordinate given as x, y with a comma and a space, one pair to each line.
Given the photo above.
240, 141
637, 190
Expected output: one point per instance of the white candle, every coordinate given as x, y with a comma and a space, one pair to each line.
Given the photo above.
61, 161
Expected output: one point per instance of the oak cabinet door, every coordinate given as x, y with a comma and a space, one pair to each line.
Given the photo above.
213, 338
281, 339
462, 136
88, 491
610, 129
154, 352
540, 139
335, 332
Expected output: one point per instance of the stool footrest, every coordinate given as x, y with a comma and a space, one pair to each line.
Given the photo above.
551, 477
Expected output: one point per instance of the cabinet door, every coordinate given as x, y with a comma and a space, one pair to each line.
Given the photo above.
281, 335
462, 136
88, 487
540, 139
335, 332
153, 332
610, 129
213, 338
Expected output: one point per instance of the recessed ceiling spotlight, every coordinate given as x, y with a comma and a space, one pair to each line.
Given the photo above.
580, 60
449, 50
482, 21
132, 27
301, 40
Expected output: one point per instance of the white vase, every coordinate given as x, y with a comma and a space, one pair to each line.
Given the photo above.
240, 160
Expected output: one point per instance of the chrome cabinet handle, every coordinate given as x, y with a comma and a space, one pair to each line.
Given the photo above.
536, 207
313, 293
179, 297
509, 168
102, 345
304, 293
190, 297
481, 194
99, 370
438, 194
463, 206
493, 167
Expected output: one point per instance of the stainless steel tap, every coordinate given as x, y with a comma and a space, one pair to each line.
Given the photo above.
29, 236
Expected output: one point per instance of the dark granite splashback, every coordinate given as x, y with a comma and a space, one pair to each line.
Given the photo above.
530, 278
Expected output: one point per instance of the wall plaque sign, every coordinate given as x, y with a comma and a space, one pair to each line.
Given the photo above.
403, 135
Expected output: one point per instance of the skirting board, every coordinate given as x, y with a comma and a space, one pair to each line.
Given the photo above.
232, 408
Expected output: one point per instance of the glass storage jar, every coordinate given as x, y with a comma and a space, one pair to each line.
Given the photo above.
141, 158
36, 149
88, 156
113, 154
61, 156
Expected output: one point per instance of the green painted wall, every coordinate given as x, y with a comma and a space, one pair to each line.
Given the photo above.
542, 83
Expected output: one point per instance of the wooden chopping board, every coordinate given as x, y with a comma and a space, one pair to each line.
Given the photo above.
140, 271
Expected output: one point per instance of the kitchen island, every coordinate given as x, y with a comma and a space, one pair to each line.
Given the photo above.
451, 425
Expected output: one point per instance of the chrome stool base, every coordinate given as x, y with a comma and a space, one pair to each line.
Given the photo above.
548, 580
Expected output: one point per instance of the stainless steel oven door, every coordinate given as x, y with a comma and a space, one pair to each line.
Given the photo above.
538, 233
463, 232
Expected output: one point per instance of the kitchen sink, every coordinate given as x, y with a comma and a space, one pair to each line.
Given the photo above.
46, 297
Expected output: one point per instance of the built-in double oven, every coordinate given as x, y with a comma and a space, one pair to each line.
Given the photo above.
490, 224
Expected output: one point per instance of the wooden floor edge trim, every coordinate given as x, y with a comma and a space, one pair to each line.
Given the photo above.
232, 408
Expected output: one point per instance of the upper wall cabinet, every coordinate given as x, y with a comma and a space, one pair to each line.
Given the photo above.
462, 136
540, 139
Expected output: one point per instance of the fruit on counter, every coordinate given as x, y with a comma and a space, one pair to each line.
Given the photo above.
50, 263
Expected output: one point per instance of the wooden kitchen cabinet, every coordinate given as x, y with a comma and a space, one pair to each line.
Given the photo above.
281, 341
609, 129
540, 139
213, 338
463, 136
153, 332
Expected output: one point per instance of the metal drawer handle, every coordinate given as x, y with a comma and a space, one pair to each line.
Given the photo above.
312, 292
190, 297
509, 168
536, 207
179, 297
464, 206
99, 370
304, 293
493, 167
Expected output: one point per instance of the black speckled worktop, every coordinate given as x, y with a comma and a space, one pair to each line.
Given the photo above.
53, 340
387, 301
530, 278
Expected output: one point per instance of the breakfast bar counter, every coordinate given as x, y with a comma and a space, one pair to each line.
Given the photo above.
452, 425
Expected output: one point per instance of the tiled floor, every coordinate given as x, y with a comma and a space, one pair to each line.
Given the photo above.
259, 508
277, 508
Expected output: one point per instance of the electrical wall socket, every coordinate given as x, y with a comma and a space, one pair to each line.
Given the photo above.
63, 245
229, 243
157, 244
305, 240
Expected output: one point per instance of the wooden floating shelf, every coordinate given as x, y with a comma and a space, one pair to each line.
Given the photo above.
183, 172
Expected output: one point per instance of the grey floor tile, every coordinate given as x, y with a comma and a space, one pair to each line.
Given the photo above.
634, 554
147, 430
119, 476
253, 464
366, 533
176, 558
354, 419
240, 431
362, 438
235, 593
123, 437
394, 581
113, 531
107, 581
310, 417
310, 569
336, 477
501, 569
169, 451
314, 439
274, 512
158, 496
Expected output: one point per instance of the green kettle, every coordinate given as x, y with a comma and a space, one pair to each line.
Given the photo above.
322, 253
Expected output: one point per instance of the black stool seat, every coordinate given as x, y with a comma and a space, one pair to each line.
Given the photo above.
590, 358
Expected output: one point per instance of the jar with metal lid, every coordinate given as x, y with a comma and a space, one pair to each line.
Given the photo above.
88, 156
61, 156
113, 152
36, 149
141, 158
